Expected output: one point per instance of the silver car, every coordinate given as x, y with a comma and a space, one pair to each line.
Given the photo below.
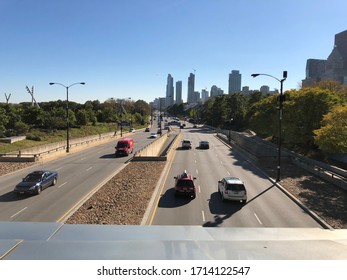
186, 144
232, 188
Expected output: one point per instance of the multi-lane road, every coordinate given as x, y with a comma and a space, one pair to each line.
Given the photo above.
267, 206
80, 174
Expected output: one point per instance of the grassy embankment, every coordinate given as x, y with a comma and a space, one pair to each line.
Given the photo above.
45, 137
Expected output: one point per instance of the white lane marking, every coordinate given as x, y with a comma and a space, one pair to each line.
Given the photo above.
199, 189
229, 173
195, 161
197, 171
58, 168
62, 185
18, 212
84, 158
258, 219
89, 168
221, 162
203, 215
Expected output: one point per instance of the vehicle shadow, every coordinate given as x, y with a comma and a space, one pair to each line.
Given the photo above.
12, 196
182, 149
169, 200
221, 210
108, 156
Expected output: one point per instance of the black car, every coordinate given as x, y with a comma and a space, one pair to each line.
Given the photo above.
36, 181
204, 145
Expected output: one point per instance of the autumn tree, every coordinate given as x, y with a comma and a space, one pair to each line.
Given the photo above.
332, 136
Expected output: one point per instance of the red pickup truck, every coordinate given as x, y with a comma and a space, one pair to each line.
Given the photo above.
124, 147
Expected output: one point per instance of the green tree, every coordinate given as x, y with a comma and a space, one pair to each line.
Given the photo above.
332, 136
264, 118
4, 119
82, 117
33, 116
303, 113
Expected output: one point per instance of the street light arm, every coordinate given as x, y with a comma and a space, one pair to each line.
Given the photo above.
256, 75
80, 83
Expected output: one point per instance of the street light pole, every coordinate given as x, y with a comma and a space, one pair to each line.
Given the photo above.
280, 114
67, 111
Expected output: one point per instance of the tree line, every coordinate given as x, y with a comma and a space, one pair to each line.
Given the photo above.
314, 118
19, 119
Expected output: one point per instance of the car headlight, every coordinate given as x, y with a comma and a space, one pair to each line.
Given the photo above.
34, 187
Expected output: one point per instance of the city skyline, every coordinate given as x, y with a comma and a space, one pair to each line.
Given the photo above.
126, 49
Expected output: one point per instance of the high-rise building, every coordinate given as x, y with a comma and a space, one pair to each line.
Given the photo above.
169, 91
332, 68
204, 95
234, 82
341, 45
265, 89
179, 99
215, 91
191, 85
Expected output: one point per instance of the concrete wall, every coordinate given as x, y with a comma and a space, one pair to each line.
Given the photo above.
57, 149
153, 149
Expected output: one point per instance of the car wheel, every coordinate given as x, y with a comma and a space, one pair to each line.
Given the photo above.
39, 190
54, 182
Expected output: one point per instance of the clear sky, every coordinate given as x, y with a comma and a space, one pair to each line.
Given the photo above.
126, 48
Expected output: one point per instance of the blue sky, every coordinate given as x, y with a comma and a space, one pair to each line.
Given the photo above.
123, 49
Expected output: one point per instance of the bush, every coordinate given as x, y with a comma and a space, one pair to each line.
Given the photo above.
33, 137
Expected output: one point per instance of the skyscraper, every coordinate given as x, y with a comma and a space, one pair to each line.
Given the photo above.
234, 82
179, 92
332, 68
191, 84
169, 91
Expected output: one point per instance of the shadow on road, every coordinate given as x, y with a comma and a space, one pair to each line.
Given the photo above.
222, 210
169, 200
11, 196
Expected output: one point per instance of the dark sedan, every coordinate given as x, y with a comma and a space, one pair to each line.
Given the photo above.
204, 145
36, 181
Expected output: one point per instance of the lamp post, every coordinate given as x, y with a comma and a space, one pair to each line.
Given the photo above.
229, 138
280, 112
67, 111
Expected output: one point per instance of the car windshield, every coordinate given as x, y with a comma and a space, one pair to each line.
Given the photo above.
122, 145
33, 178
185, 183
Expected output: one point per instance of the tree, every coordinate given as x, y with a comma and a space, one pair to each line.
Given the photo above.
303, 113
264, 117
33, 116
3, 121
332, 136
82, 117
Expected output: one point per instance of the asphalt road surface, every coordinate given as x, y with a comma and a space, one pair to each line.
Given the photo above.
79, 175
267, 206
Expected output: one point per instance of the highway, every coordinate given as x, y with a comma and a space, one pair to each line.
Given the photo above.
82, 173
79, 175
267, 206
